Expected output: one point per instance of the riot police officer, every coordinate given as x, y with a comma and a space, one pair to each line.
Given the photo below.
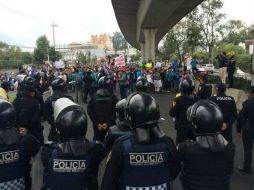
205, 89
245, 128
73, 162
101, 109
59, 91
228, 108
121, 128
178, 110
28, 110
16, 151
208, 160
142, 84
144, 154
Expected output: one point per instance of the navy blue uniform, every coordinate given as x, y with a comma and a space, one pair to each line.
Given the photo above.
15, 154
133, 166
178, 111
101, 109
204, 169
228, 108
245, 124
204, 91
114, 133
71, 165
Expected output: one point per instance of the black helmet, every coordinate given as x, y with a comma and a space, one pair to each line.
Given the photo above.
103, 86
141, 110
28, 84
70, 120
120, 106
7, 114
58, 84
104, 83
206, 117
141, 84
187, 86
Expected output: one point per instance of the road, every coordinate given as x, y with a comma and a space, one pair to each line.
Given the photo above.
239, 181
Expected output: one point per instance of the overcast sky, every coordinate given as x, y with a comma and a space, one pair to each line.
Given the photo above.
23, 21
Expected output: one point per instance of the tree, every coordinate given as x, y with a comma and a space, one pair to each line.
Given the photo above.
193, 33
235, 32
54, 55
42, 49
174, 40
27, 58
82, 58
119, 42
208, 19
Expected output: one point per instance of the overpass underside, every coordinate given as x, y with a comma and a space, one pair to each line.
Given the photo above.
145, 22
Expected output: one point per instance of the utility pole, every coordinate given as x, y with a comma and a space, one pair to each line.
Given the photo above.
53, 27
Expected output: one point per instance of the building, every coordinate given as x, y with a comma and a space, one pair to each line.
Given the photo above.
70, 51
103, 41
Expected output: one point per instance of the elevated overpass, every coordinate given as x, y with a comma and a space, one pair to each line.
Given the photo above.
145, 22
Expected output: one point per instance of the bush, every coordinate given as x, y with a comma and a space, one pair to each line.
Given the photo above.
239, 83
243, 61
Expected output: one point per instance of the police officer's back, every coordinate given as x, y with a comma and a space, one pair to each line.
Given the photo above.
205, 89
145, 159
28, 110
73, 162
179, 108
59, 91
228, 108
101, 109
245, 128
16, 151
208, 160
121, 128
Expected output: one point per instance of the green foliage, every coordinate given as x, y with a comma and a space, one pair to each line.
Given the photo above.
82, 58
135, 57
27, 58
54, 55
244, 62
235, 32
239, 83
119, 42
223, 47
42, 49
202, 57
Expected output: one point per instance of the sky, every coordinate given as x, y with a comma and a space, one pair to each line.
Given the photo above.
23, 21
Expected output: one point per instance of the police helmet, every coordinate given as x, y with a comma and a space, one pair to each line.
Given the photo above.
206, 117
120, 106
70, 120
187, 86
141, 84
28, 84
7, 114
141, 110
58, 84
104, 83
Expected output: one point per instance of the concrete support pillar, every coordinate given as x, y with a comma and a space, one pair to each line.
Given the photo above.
142, 45
150, 43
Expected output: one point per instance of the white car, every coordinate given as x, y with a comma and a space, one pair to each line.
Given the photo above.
209, 68
240, 73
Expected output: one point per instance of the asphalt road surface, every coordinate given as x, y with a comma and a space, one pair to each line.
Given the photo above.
239, 180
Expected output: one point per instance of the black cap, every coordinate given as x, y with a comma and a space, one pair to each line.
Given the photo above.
251, 89
221, 87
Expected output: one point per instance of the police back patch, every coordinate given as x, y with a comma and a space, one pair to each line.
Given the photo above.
158, 187
142, 159
69, 165
9, 157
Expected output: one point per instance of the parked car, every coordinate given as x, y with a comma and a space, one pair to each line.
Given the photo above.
201, 70
209, 68
240, 73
